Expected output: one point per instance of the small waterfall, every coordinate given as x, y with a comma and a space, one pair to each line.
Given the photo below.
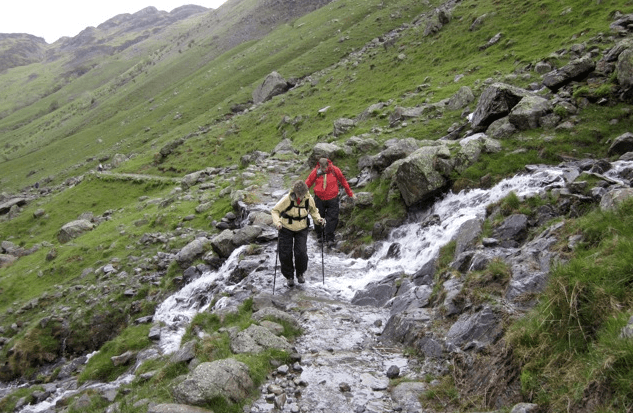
420, 243
177, 311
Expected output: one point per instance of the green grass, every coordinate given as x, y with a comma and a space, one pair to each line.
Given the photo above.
56, 124
571, 340
100, 366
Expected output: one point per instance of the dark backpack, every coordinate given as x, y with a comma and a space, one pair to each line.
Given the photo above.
292, 205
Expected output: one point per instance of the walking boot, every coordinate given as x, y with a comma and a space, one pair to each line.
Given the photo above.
291, 282
300, 278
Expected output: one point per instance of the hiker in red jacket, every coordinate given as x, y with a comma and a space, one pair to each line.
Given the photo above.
325, 177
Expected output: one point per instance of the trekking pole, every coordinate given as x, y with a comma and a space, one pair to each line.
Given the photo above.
276, 257
322, 247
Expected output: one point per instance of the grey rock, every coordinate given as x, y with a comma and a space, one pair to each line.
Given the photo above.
574, 70
256, 339
496, 102
226, 378
74, 229
273, 85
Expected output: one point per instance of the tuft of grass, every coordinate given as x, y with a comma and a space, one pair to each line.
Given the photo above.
100, 366
571, 342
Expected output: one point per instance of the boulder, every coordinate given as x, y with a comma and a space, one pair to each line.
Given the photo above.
621, 145
396, 149
496, 102
364, 199
529, 111
343, 125
613, 198
273, 85
574, 70
417, 179
191, 251
74, 229
624, 69
284, 147
7, 205
226, 378
223, 243
256, 339
324, 150
6, 260
462, 98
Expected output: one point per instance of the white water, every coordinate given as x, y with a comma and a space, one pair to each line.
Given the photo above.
345, 276
419, 244
177, 311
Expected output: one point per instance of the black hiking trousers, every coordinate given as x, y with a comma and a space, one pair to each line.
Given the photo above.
328, 210
293, 243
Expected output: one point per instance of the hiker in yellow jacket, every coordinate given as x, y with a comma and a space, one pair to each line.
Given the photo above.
290, 217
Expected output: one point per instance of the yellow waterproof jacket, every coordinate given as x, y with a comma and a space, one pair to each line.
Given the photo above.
294, 218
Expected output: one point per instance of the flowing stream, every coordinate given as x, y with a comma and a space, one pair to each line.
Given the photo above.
340, 342
343, 366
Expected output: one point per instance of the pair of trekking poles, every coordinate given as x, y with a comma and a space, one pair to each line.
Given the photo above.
322, 260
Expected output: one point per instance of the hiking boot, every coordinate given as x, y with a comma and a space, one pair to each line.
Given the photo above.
301, 279
291, 282
331, 244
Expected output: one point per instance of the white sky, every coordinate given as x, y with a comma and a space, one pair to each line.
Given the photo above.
52, 19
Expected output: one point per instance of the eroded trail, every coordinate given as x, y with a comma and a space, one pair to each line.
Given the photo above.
343, 365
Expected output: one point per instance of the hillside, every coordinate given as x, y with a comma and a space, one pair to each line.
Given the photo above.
152, 136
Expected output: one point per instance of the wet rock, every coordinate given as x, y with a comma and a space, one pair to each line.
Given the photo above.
424, 276
192, 251
467, 234
483, 326
408, 395
176, 408
377, 293
185, 353
270, 312
256, 339
512, 230
393, 372
226, 378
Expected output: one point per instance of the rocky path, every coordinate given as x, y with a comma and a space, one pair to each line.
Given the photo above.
343, 367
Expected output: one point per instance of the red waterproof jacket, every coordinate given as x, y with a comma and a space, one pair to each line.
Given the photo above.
334, 176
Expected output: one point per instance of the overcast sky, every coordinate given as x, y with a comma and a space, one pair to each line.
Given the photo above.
52, 19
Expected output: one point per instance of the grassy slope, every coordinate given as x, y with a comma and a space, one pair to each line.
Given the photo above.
110, 112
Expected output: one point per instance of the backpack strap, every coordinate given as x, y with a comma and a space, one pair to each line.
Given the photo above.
292, 205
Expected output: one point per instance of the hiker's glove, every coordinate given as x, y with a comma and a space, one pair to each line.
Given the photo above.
321, 221
279, 226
